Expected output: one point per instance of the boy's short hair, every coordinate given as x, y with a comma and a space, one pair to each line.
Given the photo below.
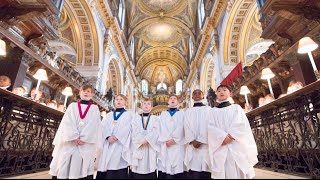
39, 90
148, 99
6, 78
223, 86
22, 87
170, 95
121, 95
87, 86
198, 90
295, 82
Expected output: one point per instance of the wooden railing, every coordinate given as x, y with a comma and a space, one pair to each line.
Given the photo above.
287, 132
27, 130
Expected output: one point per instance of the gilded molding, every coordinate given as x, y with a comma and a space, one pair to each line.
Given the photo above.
108, 20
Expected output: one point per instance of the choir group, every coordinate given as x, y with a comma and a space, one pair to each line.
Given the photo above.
197, 143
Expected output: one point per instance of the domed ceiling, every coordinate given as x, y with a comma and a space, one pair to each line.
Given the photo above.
161, 31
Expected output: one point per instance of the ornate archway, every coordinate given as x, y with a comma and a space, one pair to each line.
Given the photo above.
114, 77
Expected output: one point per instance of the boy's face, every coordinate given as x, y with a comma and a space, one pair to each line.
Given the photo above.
52, 105
86, 94
61, 108
119, 102
39, 94
262, 101
296, 87
173, 102
4, 81
223, 93
197, 95
18, 91
147, 106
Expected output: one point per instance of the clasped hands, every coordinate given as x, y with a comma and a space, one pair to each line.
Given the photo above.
112, 139
196, 144
227, 140
170, 142
78, 142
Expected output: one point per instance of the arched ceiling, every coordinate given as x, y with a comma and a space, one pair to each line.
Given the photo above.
161, 30
78, 33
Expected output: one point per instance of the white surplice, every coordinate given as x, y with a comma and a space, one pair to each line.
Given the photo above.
196, 128
72, 161
144, 158
235, 160
116, 156
171, 158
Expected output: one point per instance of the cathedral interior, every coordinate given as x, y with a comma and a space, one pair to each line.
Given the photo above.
154, 48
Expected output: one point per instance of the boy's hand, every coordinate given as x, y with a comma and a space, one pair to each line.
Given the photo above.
196, 144
78, 142
170, 143
230, 137
112, 139
81, 142
227, 140
145, 142
75, 142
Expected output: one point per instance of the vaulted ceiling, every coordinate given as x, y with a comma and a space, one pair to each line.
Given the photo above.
161, 30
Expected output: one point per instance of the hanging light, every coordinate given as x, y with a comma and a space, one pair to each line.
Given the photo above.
307, 45
3, 51
244, 90
67, 92
40, 75
267, 74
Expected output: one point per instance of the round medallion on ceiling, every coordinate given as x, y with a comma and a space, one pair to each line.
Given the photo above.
167, 7
161, 33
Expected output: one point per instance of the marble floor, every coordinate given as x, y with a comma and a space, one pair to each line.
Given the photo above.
260, 174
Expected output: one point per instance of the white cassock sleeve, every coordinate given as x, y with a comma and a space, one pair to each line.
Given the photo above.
138, 136
177, 133
67, 130
87, 133
196, 124
153, 136
231, 120
107, 131
241, 131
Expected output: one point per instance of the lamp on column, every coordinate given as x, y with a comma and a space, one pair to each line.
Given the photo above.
67, 92
3, 51
244, 90
40, 75
307, 45
267, 74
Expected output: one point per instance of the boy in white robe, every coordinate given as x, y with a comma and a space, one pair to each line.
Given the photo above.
116, 156
232, 148
196, 138
145, 147
171, 141
77, 139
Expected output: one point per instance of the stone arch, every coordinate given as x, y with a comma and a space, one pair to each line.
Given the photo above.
238, 25
208, 74
114, 79
82, 26
130, 97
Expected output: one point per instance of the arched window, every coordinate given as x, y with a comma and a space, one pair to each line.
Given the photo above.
201, 13
162, 85
121, 13
178, 86
144, 87
132, 48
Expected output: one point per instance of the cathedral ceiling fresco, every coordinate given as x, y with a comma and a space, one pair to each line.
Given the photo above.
162, 30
